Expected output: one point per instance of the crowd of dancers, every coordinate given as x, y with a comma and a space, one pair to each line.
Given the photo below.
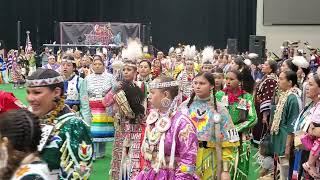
194, 114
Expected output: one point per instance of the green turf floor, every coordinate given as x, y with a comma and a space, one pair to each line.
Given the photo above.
101, 166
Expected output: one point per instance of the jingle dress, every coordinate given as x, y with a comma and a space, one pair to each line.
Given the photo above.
125, 163
169, 149
201, 114
67, 147
96, 86
236, 103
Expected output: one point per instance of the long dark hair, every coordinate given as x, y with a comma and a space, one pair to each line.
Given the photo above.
210, 78
246, 80
291, 65
244, 76
291, 76
23, 131
135, 99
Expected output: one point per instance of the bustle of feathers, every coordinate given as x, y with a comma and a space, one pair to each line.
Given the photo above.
247, 62
300, 61
133, 51
253, 56
207, 54
117, 64
171, 50
190, 52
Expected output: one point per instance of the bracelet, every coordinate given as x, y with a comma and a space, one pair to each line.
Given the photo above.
225, 166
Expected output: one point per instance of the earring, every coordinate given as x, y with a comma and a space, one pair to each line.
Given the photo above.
165, 102
3, 156
56, 99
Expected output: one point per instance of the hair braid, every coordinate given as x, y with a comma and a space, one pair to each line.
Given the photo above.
191, 99
214, 99
23, 131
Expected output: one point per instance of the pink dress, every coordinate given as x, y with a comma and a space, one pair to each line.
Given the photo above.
181, 139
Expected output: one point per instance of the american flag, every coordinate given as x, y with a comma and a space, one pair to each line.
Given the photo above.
28, 47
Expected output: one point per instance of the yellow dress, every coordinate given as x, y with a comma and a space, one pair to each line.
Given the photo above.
202, 116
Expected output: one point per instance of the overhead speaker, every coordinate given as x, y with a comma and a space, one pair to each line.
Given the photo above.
232, 46
257, 44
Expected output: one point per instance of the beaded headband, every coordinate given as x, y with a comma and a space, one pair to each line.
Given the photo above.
130, 64
68, 60
163, 85
44, 82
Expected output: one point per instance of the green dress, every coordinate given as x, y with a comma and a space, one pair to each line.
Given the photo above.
69, 148
289, 114
240, 162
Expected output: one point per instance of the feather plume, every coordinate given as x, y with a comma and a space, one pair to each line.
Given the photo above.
253, 56
300, 61
207, 54
171, 50
190, 52
133, 51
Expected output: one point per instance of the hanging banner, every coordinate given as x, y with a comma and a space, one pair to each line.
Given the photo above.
98, 33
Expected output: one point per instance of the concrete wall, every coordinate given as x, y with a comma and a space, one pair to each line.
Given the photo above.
275, 35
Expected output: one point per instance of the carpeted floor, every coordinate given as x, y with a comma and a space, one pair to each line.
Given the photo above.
101, 166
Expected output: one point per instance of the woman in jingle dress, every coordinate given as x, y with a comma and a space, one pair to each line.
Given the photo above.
129, 112
211, 119
241, 108
66, 144
97, 114
170, 142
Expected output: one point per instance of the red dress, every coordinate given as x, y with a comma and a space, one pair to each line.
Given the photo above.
8, 102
